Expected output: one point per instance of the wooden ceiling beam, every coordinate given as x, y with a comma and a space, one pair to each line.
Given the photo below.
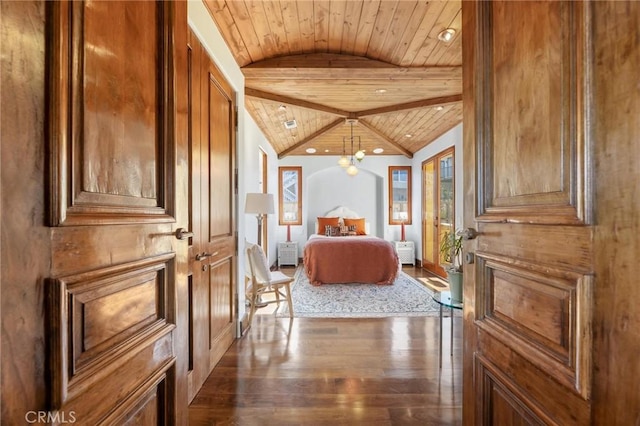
281, 99
385, 74
309, 138
405, 151
444, 100
342, 67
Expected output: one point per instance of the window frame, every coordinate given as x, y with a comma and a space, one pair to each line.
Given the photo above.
408, 220
281, 171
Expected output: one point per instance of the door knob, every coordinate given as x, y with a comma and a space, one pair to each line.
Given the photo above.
469, 234
183, 234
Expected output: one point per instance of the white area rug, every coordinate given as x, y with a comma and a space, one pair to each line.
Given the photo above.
405, 297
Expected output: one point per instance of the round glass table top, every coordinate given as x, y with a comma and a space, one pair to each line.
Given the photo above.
444, 298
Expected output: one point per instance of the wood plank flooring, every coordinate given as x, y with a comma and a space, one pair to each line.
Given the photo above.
311, 371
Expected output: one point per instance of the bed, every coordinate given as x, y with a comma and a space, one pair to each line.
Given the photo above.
344, 258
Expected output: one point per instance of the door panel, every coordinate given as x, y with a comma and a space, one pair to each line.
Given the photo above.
115, 131
528, 295
220, 309
213, 253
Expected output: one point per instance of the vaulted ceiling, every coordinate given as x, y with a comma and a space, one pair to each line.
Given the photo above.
320, 63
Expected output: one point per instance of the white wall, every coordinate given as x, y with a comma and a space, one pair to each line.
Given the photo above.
250, 176
332, 187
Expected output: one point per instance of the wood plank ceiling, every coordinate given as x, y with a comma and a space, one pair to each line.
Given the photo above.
323, 62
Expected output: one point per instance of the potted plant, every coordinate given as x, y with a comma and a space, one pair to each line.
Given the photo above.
451, 250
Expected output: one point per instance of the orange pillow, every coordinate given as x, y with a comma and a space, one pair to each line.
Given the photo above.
359, 223
324, 221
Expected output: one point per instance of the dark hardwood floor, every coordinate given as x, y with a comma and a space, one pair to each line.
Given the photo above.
311, 371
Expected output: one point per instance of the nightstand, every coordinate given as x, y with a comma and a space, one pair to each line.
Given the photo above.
288, 253
406, 252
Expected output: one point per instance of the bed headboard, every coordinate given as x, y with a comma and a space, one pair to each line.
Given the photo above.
342, 211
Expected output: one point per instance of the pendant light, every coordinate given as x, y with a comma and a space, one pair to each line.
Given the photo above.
343, 161
352, 170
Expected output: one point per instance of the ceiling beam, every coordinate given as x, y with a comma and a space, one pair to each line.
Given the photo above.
280, 99
309, 138
399, 73
340, 67
444, 100
400, 148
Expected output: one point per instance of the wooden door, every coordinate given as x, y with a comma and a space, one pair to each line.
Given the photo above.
116, 129
528, 294
438, 208
213, 205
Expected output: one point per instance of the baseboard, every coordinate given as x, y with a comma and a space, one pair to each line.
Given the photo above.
244, 320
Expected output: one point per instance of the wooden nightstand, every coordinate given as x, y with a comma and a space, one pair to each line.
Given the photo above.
288, 253
406, 252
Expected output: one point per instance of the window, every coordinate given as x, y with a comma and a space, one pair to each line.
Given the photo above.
290, 195
399, 195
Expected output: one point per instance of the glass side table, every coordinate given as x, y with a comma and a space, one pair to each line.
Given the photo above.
443, 298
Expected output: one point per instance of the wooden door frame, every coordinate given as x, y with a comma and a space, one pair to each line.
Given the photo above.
437, 269
264, 188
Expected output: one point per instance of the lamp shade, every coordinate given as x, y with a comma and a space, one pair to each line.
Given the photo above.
259, 203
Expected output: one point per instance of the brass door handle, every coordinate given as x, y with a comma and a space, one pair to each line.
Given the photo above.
183, 234
204, 255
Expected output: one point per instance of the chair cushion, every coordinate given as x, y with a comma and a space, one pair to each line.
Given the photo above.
260, 263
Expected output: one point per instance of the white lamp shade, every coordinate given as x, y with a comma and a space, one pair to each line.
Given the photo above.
259, 203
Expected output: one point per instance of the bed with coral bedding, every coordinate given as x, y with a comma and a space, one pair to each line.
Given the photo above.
350, 259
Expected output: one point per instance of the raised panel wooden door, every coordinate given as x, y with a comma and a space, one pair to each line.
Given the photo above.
528, 303
213, 254
117, 127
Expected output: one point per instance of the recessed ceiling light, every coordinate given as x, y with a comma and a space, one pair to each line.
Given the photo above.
282, 107
378, 150
310, 150
381, 90
408, 135
439, 108
447, 35
326, 150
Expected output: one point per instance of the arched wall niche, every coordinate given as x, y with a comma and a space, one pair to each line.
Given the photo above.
329, 188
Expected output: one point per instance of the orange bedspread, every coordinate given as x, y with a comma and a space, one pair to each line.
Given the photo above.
360, 259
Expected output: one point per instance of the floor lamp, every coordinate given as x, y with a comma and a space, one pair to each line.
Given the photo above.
259, 204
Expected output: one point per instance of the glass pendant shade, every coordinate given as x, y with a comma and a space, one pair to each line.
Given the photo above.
344, 161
